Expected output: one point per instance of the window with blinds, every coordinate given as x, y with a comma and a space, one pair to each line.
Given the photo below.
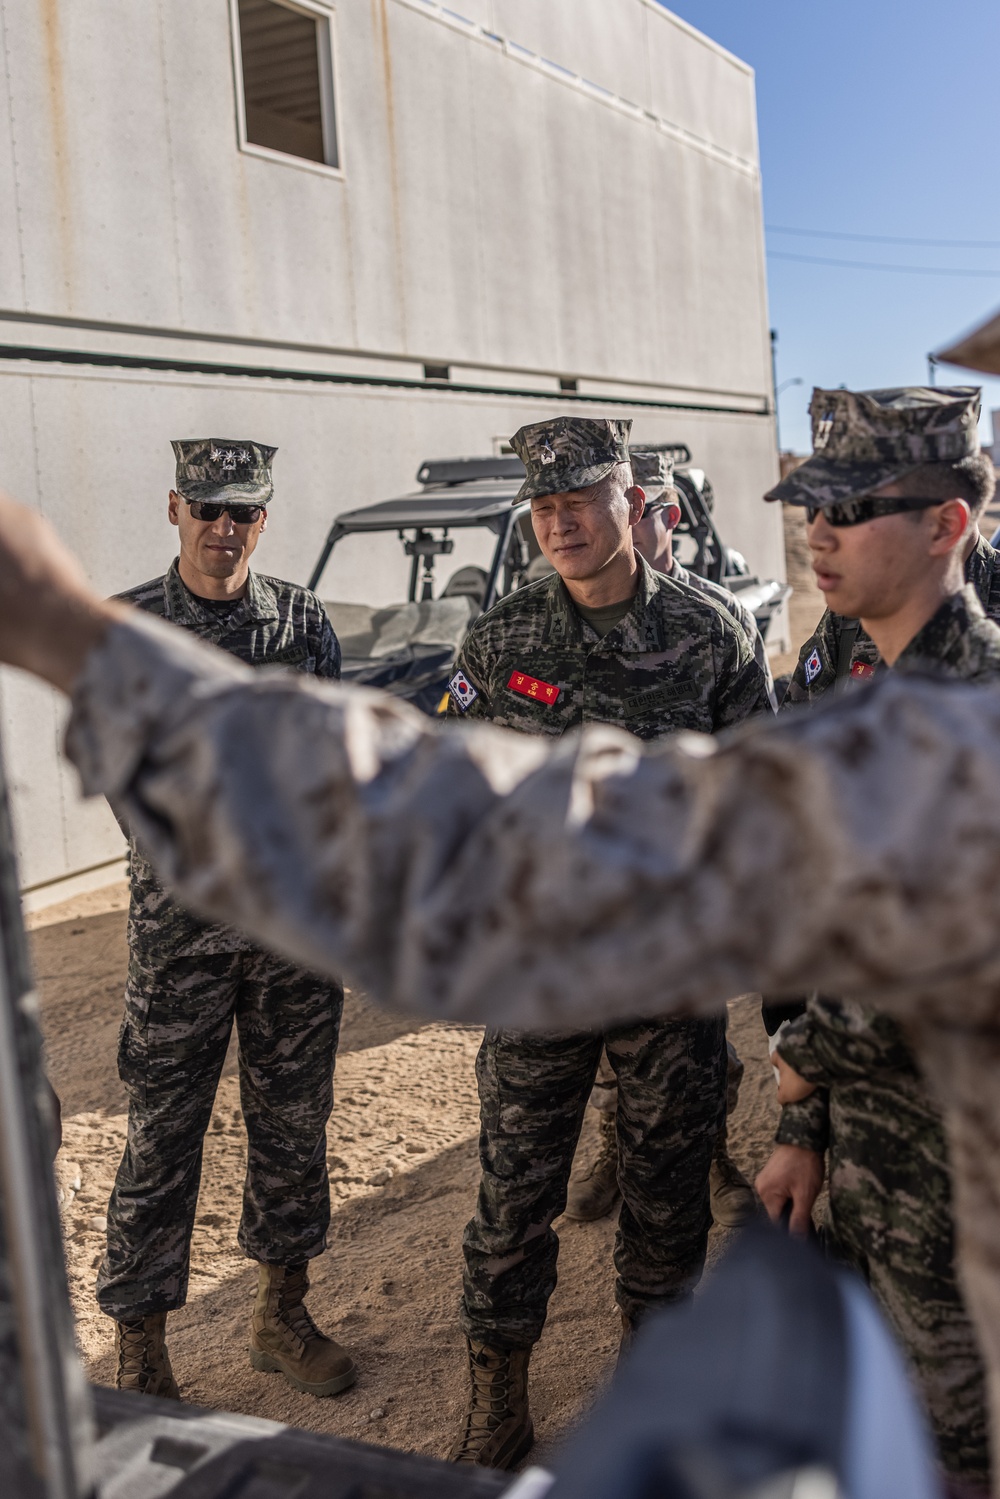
287, 66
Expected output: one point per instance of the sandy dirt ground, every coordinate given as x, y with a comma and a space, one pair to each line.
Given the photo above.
402, 1157
403, 1168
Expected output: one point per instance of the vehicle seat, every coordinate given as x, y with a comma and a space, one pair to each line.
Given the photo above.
467, 583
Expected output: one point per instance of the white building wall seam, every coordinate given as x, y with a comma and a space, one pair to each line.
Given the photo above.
435, 11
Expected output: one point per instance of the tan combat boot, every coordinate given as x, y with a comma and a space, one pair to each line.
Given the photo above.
497, 1430
143, 1361
593, 1190
284, 1339
733, 1202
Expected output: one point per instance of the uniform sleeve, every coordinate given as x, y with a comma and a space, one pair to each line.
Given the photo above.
806, 1123
802, 678
327, 649
472, 664
760, 655
514, 879
742, 688
838, 1042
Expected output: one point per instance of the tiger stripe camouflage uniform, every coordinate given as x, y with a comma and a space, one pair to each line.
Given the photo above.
676, 661
890, 1206
820, 662
735, 606
187, 982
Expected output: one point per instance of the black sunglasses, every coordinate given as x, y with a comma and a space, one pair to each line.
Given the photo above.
240, 515
866, 507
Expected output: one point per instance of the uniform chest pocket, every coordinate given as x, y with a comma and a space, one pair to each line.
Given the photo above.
292, 655
656, 699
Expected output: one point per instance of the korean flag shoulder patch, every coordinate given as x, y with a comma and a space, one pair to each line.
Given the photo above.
813, 666
462, 690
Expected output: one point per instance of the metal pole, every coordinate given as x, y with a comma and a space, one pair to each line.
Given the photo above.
44, 1407
774, 389
931, 369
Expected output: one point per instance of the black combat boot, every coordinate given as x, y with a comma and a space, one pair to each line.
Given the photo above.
496, 1429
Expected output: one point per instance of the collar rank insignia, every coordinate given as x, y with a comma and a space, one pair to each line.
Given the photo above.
462, 690
862, 669
542, 692
814, 665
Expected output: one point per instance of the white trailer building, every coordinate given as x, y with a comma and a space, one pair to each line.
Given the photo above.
369, 232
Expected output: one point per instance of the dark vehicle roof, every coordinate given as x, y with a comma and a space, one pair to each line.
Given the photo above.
472, 503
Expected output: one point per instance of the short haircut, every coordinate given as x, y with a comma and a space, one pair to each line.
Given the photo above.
970, 479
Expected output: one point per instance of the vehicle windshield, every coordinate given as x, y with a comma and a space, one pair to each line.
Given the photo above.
367, 581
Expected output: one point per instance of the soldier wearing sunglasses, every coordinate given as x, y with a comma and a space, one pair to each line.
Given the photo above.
188, 981
891, 497
840, 650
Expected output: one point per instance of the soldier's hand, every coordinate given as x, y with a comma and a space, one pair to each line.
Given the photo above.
791, 1175
792, 1086
50, 618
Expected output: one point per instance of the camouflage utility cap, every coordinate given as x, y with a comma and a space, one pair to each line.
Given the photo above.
653, 471
863, 439
224, 468
569, 452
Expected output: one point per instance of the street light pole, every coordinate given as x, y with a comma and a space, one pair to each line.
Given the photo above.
795, 380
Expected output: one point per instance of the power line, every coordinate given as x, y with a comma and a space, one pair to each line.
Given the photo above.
889, 239
877, 265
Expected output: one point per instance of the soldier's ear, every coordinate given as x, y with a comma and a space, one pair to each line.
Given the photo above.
636, 497
173, 507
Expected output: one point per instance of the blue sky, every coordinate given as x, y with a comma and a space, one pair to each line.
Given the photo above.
876, 117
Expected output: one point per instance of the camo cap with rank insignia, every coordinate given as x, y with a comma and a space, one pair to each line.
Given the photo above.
654, 472
224, 468
863, 439
569, 452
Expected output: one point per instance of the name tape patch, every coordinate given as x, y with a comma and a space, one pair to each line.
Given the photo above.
659, 697
462, 690
542, 692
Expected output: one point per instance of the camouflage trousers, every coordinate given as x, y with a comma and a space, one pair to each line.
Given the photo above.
533, 1091
890, 1216
604, 1093
179, 1014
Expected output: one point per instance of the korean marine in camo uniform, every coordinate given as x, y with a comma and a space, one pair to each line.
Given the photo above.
593, 1185
839, 650
604, 639
892, 498
189, 981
